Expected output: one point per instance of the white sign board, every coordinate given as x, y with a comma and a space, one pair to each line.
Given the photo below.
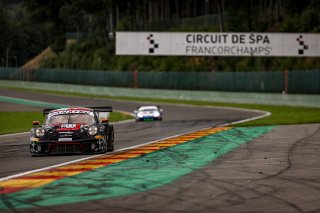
218, 44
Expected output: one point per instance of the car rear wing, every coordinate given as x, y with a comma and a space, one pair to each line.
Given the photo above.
102, 112
95, 109
46, 111
101, 109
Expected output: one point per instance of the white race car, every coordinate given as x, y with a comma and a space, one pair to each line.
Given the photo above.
148, 113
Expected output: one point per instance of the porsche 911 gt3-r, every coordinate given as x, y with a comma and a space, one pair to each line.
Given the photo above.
148, 113
72, 130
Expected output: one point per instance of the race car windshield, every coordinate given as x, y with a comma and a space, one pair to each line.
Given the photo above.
70, 119
148, 109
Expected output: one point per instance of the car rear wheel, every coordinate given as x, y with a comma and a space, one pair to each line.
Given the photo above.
110, 139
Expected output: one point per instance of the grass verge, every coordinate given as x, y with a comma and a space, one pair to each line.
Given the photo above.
12, 122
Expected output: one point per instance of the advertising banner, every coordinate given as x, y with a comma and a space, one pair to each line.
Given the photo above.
218, 44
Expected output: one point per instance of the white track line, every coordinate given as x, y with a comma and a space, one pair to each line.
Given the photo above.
13, 134
93, 156
249, 119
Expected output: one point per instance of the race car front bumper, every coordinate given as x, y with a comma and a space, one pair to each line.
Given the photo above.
67, 147
149, 118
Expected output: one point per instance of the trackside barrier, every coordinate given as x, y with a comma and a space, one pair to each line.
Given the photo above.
212, 96
158, 80
297, 82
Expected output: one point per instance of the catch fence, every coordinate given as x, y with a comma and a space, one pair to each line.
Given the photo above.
298, 82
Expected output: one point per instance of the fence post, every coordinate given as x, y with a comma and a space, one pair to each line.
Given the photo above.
135, 78
286, 81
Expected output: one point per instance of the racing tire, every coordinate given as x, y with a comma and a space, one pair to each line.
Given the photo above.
110, 139
30, 152
104, 149
33, 155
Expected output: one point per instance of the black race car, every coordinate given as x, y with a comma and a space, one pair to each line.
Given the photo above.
72, 130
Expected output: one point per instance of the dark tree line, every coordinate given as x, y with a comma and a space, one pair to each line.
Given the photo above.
29, 26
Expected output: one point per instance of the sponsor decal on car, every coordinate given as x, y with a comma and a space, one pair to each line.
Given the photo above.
62, 112
68, 127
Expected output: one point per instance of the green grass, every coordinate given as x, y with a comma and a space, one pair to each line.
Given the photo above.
117, 116
12, 122
280, 115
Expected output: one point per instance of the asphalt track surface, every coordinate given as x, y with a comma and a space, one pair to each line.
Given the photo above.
176, 120
278, 172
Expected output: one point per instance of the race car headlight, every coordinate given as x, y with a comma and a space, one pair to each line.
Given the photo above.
93, 130
140, 115
40, 132
156, 114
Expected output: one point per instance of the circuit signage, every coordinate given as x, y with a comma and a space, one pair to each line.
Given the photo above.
218, 44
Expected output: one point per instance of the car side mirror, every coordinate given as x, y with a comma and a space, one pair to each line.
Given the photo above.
104, 121
35, 123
